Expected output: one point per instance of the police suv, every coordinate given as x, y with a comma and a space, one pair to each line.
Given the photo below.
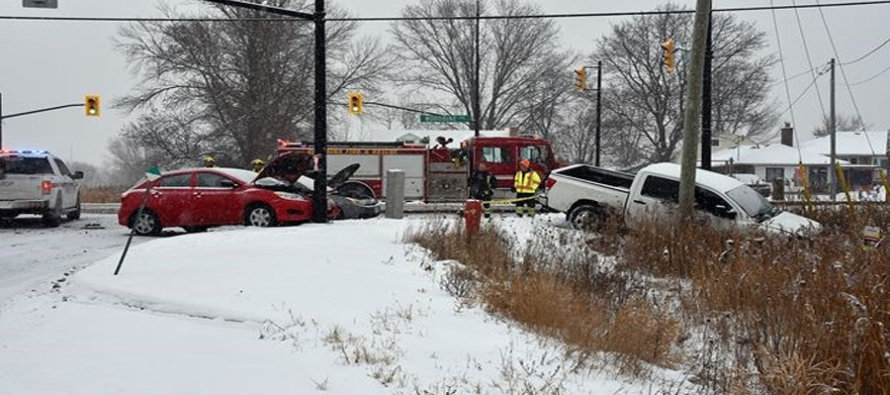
36, 182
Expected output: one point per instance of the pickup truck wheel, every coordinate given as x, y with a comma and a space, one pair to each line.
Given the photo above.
53, 217
586, 217
75, 215
146, 223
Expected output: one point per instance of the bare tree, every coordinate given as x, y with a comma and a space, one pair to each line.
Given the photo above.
649, 100
518, 60
845, 123
234, 87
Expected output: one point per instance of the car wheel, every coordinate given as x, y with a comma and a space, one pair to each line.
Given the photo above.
259, 215
75, 215
195, 229
586, 217
146, 223
53, 217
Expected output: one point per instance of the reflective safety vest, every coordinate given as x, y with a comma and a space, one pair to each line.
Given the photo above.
526, 182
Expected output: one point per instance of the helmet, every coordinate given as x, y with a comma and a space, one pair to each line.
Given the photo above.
525, 163
209, 161
257, 164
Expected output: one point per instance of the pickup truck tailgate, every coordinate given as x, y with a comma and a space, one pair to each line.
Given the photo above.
20, 187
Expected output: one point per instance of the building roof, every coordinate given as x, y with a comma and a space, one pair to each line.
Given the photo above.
850, 144
770, 154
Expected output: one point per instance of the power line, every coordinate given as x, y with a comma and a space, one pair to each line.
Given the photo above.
785, 78
448, 18
868, 54
869, 78
801, 95
806, 48
846, 81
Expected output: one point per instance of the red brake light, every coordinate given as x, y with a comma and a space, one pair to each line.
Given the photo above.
549, 183
46, 187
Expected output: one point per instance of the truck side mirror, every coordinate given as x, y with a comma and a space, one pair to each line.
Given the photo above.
77, 175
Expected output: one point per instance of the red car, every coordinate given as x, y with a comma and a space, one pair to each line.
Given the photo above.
196, 199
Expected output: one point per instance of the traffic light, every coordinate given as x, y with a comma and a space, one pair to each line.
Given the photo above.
356, 103
668, 55
581, 79
91, 105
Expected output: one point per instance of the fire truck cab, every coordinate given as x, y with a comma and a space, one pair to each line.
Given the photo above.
439, 173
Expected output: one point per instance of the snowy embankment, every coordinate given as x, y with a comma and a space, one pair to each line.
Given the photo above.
342, 308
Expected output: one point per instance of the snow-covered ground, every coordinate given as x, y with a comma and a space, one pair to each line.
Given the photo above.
341, 308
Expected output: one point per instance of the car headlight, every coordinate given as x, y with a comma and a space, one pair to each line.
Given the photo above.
289, 196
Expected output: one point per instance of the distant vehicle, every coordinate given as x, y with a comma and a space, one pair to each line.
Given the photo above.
199, 198
756, 183
37, 182
439, 173
588, 193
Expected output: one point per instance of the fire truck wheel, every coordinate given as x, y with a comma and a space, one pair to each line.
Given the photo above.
259, 214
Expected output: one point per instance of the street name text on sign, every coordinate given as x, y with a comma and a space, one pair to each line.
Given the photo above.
444, 118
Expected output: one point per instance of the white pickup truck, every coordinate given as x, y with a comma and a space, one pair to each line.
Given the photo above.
587, 194
36, 182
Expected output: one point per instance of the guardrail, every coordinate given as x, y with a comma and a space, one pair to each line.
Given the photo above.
410, 208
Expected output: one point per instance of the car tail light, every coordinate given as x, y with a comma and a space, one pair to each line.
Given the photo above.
550, 183
46, 187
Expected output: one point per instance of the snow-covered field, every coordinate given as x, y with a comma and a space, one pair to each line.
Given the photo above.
341, 308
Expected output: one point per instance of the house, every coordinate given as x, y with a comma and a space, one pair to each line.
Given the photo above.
858, 153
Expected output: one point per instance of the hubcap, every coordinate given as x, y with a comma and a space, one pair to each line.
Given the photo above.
145, 223
583, 220
260, 216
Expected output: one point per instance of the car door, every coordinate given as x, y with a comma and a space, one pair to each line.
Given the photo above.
171, 199
657, 196
214, 200
499, 161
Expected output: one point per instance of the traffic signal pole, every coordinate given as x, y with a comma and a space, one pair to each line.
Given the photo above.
599, 107
706, 101
320, 194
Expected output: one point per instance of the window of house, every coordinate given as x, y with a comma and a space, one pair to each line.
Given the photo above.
175, 181
715, 143
773, 173
495, 155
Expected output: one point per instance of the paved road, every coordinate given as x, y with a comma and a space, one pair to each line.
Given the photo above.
31, 256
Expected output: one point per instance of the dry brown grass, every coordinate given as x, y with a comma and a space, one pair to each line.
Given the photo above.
816, 308
561, 293
767, 314
104, 194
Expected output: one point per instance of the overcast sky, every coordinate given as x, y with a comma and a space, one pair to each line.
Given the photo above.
44, 64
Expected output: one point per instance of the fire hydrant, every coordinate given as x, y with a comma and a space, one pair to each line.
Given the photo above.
473, 216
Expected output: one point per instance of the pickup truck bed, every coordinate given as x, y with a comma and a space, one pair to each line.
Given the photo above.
582, 184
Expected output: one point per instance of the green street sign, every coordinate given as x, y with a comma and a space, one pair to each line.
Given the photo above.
444, 118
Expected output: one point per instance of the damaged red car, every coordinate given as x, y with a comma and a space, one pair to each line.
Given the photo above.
199, 198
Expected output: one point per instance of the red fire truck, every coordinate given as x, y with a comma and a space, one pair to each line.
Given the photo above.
436, 174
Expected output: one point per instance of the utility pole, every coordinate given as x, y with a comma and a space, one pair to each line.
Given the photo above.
599, 107
832, 130
692, 116
320, 193
706, 99
1, 121
476, 106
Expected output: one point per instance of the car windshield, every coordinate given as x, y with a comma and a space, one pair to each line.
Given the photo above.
752, 202
25, 165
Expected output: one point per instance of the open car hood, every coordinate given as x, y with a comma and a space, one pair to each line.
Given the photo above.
293, 165
343, 175
289, 166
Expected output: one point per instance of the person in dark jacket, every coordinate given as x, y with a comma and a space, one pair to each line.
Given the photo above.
482, 186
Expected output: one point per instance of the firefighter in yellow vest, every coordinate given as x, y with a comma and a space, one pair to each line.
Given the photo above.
525, 183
